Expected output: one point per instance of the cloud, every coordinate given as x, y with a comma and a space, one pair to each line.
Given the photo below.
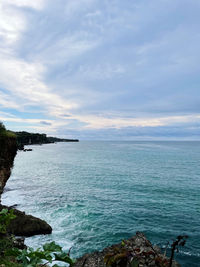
45, 123
96, 66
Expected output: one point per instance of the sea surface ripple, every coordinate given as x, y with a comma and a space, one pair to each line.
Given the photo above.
95, 194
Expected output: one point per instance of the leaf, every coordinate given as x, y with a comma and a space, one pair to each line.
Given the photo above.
52, 247
123, 243
63, 257
15, 252
40, 255
134, 263
4, 212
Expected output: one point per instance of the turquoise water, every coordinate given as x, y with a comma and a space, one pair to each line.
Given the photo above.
97, 193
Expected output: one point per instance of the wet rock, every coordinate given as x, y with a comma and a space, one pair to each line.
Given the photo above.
27, 225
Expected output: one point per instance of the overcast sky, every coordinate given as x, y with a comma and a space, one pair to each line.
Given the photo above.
101, 69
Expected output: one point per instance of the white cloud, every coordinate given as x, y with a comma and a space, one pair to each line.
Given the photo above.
7, 102
37, 4
23, 80
100, 122
12, 23
88, 57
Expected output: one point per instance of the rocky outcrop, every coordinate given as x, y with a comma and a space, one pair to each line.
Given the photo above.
27, 225
22, 225
137, 250
8, 150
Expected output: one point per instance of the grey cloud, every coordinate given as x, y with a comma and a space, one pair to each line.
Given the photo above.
65, 115
45, 123
136, 133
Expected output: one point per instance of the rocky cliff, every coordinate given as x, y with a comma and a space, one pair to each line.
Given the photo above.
23, 225
136, 251
8, 151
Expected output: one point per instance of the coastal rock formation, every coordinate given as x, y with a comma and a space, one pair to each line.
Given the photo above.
22, 225
137, 249
8, 150
27, 225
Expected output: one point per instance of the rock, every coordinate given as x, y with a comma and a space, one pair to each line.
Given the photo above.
19, 243
8, 150
22, 225
27, 225
138, 249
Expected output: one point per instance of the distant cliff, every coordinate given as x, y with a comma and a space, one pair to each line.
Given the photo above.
26, 138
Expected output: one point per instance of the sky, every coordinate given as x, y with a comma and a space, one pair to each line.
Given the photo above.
101, 69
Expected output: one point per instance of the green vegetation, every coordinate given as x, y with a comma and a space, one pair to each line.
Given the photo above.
2, 127
50, 252
25, 138
5, 133
11, 255
5, 219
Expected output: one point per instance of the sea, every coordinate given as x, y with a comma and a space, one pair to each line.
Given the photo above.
97, 193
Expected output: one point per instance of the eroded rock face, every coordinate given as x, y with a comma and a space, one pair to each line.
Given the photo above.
137, 249
22, 225
8, 151
27, 225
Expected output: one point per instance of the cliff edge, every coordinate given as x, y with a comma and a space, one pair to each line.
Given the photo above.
22, 225
8, 151
136, 251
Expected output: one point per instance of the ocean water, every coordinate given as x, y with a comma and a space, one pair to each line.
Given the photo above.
95, 194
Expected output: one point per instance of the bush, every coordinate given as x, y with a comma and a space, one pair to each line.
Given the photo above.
5, 133
27, 257
2, 127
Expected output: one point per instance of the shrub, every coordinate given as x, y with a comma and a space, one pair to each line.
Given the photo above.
27, 257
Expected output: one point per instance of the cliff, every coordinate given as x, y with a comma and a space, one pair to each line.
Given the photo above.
8, 151
136, 251
25, 138
24, 225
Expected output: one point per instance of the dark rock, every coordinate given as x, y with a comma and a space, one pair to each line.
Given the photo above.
138, 247
19, 243
20, 147
27, 225
22, 225
8, 150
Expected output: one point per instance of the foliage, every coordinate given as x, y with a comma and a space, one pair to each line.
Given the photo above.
2, 127
26, 138
5, 218
6, 242
28, 257
9, 262
5, 133
50, 252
